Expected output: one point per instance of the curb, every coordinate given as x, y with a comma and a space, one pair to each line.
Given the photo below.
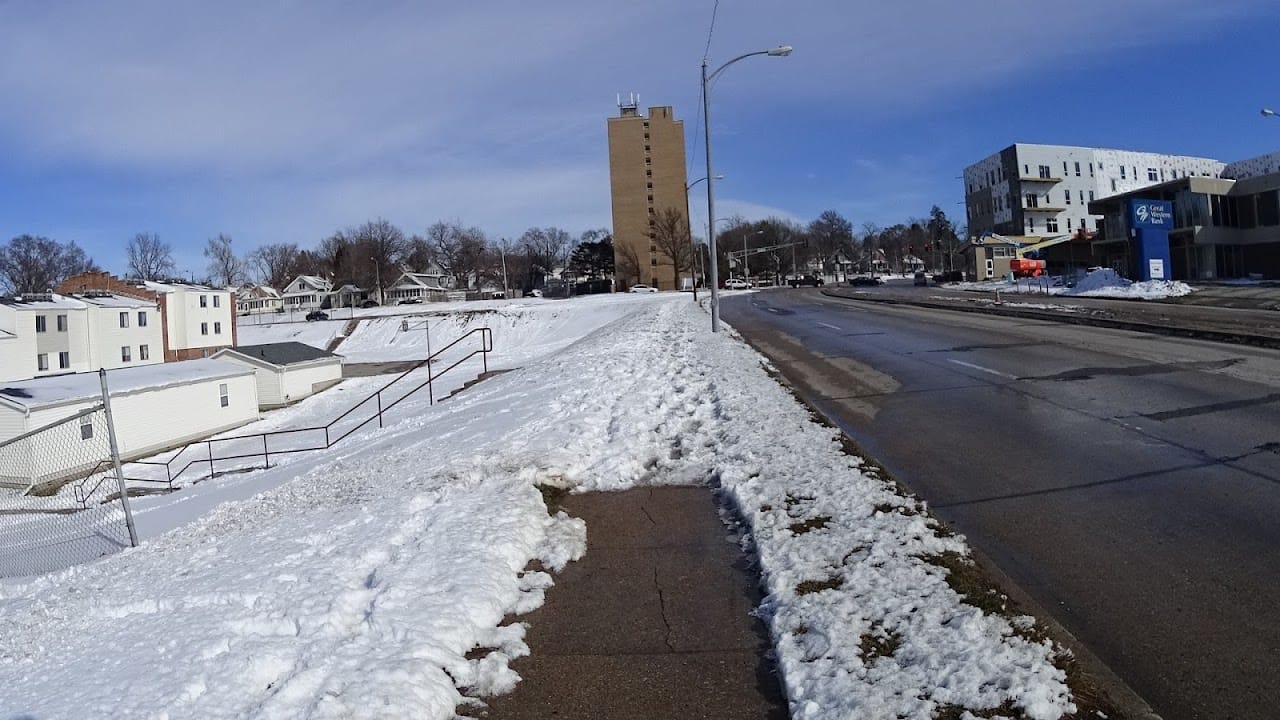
1235, 338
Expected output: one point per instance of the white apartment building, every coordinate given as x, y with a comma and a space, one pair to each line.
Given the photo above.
199, 320
51, 334
1045, 190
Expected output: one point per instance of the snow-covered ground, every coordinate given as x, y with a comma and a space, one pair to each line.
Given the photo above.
356, 582
1099, 282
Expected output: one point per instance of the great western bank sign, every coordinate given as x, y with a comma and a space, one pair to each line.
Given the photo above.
1149, 224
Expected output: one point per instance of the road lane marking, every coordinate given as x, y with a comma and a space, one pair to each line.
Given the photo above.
983, 369
825, 325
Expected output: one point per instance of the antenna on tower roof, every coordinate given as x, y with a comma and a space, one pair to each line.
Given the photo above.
631, 106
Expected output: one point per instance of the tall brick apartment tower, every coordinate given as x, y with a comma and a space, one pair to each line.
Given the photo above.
646, 176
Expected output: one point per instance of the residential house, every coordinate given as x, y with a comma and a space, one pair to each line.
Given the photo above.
258, 299
417, 287
306, 293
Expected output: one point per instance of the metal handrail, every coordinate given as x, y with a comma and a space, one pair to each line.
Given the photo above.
486, 347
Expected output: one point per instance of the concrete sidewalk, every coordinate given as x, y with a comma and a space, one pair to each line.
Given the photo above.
653, 622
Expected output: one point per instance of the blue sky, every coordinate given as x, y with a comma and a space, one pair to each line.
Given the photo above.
284, 121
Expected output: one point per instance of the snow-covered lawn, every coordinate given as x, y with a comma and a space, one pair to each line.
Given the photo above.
359, 580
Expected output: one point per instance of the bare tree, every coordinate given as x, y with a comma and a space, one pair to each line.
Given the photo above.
626, 263
381, 246
150, 258
225, 269
671, 236
420, 255
37, 264
277, 263
548, 249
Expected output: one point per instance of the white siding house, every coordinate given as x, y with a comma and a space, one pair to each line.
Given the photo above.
306, 293
416, 287
123, 331
44, 334
286, 372
155, 408
199, 320
258, 299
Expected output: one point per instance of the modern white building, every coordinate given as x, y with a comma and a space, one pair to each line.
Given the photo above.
199, 320
213, 395
1043, 190
52, 334
286, 372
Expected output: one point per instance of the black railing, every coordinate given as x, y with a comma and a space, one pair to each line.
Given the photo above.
322, 437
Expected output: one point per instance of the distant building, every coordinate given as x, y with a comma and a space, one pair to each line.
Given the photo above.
1045, 190
416, 287
258, 299
646, 176
286, 372
306, 293
195, 320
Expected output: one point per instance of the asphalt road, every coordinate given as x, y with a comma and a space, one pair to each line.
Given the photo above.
1130, 483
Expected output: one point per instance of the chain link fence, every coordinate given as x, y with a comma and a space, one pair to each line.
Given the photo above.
60, 502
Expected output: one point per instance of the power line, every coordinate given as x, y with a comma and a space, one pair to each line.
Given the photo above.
710, 30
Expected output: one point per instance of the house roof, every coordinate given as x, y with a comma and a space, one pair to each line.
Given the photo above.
42, 301
282, 353
258, 292
176, 286
116, 301
418, 280
314, 282
42, 392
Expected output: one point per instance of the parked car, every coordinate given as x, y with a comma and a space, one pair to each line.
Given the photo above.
863, 280
410, 301
317, 315
369, 304
642, 288
948, 276
920, 279
736, 284
805, 280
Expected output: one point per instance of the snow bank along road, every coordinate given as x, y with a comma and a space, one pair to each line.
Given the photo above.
359, 581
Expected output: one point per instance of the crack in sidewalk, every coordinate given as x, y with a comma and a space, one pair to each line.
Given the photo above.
662, 607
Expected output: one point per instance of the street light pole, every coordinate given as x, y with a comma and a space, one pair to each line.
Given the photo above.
377, 275
780, 51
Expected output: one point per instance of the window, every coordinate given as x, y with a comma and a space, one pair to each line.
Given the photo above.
1090, 169
64, 360
653, 261
217, 328
1068, 223
86, 427
1044, 171
224, 398
999, 251
1067, 195
125, 355
42, 362
1031, 225
1077, 169
1113, 184
1082, 197
1064, 167
144, 352
646, 148
1091, 192
204, 328
1026, 170
1122, 175
1033, 200
124, 319
204, 301
142, 318
62, 323
1151, 174
41, 324
1051, 225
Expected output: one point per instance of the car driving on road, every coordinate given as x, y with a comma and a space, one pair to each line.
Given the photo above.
805, 280
642, 288
736, 284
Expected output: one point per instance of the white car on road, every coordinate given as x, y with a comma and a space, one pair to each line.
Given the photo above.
642, 288
736, 284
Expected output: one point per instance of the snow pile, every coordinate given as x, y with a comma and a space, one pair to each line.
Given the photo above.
361, 583
1105, 282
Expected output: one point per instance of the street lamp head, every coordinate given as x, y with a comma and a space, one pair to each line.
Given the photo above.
781, 51
1268, 112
